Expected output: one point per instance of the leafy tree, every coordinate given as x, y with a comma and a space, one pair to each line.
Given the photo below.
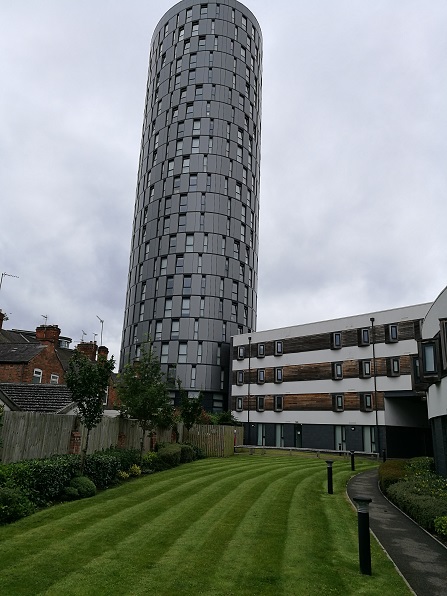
144, 394
88, 381
190, 407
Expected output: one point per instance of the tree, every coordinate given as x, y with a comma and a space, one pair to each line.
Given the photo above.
190, 407
88, 381
144, 394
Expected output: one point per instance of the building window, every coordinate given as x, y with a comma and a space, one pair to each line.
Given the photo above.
338, 402
168, 307
391, 334
185, 307
240, 377
261, 376
37, 376
181, 223
187, 284
239, 404
278, 375
54, 379
337, 370
429, 359
195, 145
393, 367
336, 340
241, 352
182, 351
175, 328
260, 403
278, 402
195, 28
179, 264
164, 353
365, 369
261, 350
193, 377
218, 355
278, 348
366, 402
364, 336
163, 265
158, 330
199, 352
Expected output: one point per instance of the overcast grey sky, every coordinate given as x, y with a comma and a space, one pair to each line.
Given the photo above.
353, 169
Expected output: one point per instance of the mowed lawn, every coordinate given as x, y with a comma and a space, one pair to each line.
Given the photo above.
242, 525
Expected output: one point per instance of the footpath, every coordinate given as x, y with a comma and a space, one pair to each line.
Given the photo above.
419, 557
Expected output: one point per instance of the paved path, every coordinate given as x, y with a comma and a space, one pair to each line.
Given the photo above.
421, 559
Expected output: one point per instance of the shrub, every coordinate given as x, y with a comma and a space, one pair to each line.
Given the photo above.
419, 465
186, 454
441, 526
70, 493
102, 468
134, 470
126, 457
199, 453
168, 456
43, 480
390, 472
85, 487
424, 508
149, 462
122, 475
14, 504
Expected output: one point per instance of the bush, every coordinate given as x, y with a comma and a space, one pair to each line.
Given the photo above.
199, 453
126, 457
70, 494
123, 475
186, 454
424, 508
85, 487
441, 526
14, 504
42, 480
102, 468
168, 456
149, 462
134, 470
419, 465
390, 472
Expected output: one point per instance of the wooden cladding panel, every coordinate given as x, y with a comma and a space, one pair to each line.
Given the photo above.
322, 341
323, 371
310, 401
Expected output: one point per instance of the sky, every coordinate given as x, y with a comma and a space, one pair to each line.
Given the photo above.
353, 166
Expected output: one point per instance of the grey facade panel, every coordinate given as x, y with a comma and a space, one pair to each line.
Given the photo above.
197, 173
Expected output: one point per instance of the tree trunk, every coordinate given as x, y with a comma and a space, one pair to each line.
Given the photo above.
84, 451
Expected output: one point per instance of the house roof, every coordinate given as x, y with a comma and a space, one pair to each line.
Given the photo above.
36, 398
19, 352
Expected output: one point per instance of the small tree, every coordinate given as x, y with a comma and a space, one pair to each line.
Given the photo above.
190, 407
144, 394
88, 381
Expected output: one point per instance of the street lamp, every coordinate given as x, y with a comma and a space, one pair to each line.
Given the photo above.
373, 341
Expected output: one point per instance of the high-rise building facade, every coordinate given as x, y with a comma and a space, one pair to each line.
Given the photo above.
194, 254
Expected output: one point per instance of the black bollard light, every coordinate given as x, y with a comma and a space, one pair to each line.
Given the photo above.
353, 461
362, 504
330, 490
384, 455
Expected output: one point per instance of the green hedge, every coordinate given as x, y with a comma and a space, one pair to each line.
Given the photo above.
102, 467
390, 472
14, 504
424, 508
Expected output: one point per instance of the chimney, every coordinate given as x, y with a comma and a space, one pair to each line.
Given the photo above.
103, 351
2, 318
88, 348
48, 334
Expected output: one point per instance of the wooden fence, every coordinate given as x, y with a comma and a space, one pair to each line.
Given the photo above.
28, 435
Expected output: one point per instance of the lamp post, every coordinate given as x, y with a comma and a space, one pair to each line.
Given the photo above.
248, 389
373, 339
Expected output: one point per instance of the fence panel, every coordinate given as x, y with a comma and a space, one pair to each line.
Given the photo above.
28, 435
216, 441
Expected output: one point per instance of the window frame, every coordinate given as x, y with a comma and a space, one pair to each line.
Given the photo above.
278, 403
337, 370
261, 350
336, 340
364, 406
338, 402
260, 376
279, 347
278, 374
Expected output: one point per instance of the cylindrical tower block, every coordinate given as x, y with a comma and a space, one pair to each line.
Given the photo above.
194, 254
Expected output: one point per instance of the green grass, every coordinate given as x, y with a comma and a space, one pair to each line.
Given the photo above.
243, 525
